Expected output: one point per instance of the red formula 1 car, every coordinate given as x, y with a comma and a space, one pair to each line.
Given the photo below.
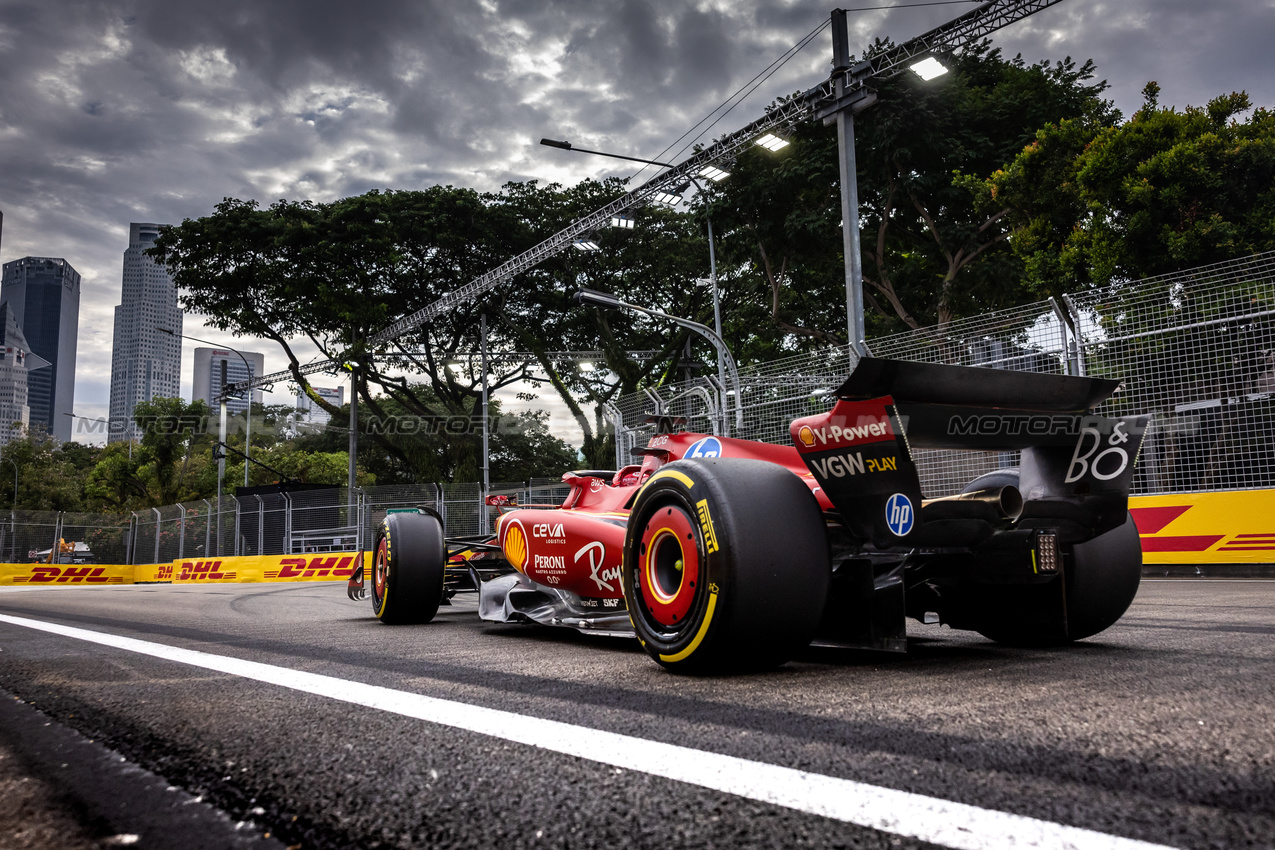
723, 554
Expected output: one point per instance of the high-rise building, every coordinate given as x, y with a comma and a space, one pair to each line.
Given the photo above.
44, 294
16, 362
212, 364
146, 362
314, 414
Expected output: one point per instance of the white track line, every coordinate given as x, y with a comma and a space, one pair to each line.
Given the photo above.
943, 822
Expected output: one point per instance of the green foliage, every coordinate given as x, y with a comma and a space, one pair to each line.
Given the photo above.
48, 476
1164, 191
931, 251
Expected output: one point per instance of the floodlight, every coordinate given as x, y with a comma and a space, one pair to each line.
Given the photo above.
585, 366
622, 221
771, 142
928, 68
668, 199
585, 245
713, 173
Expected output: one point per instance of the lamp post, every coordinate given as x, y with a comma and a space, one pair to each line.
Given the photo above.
601, 299
712, 253
247, 429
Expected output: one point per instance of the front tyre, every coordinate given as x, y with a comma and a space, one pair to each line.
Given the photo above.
725, 565
407, 568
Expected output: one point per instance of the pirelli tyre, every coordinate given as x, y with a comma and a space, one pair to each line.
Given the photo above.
1099, 581
407, 568
725, 565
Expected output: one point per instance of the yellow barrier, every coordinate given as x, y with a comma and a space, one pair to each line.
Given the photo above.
65, 575
326, 567
1231, 527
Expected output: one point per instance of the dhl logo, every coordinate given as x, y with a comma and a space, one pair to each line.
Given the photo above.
164, 572
203, 571
1151, 521
337, 566
69, 575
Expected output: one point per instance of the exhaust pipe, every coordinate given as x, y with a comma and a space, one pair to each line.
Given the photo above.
1006, 501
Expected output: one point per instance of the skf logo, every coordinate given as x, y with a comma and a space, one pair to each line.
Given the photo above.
69, 575
706, 523
203, 571
337, 566
515, 545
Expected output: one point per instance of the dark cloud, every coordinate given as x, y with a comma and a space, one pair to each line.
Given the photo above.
114, 111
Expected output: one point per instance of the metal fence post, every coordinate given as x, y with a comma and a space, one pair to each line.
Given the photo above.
55, 552
157, 527
238, 542
207, 528
181, 537
287, 524
261, 526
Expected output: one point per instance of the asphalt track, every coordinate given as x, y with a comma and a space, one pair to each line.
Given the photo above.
285, 715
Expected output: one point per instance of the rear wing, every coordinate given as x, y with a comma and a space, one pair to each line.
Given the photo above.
1076, 467
969, 407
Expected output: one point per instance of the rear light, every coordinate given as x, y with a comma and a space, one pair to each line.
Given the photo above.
1045, 558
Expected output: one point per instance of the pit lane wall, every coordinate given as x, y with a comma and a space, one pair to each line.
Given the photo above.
265, 568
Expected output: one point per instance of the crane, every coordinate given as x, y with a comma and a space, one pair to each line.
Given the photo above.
845, 91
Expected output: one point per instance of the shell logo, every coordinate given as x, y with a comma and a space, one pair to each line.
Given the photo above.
515, 545
806, 436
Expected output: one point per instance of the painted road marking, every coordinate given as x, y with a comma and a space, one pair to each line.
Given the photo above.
955, 825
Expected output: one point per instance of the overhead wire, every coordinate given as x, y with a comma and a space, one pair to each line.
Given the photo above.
766, 73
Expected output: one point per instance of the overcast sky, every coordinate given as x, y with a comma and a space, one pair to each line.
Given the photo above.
114, 111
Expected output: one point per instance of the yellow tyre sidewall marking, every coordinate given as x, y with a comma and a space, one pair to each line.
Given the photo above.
668, 473
699, 636
385, 587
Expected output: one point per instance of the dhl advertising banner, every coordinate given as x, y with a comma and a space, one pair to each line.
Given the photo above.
1234, 527
325, 567
65, 575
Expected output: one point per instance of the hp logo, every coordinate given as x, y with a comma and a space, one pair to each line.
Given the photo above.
899, 515
707, 447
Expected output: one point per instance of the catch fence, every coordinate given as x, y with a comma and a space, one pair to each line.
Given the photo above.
1194, 349
331, 519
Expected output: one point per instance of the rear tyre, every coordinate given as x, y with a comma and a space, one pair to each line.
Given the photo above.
725, 565
1101, 579
407, 568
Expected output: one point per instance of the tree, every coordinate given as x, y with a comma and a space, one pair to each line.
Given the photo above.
336, 273
49, 476
931, 253
1164, 191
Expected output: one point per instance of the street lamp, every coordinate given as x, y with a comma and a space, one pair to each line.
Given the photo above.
610, 302
247, 430
221, 453
715, 174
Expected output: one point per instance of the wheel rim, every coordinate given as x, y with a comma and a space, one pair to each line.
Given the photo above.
380, 569
669, 567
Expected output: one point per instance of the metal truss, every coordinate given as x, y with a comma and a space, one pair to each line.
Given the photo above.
954, 34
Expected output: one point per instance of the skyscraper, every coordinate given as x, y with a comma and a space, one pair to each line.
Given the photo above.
44, 294
16, 361
146, 363
208, 374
